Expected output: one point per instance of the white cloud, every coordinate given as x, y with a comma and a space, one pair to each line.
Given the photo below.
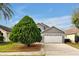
12, 23
60, 22
15, 22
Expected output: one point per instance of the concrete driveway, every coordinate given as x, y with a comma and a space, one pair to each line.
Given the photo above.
60, 49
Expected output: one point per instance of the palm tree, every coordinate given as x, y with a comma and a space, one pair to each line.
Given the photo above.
5, 11
75, 18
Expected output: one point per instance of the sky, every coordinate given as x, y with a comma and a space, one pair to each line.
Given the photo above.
51, 14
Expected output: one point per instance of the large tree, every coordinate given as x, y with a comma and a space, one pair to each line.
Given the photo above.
75, 18
75, 21
5, 11
26, 32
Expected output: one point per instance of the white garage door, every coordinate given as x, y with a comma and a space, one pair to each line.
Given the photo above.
53, 39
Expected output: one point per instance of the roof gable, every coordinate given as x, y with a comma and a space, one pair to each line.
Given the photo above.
43, 25
5, 28
53, 30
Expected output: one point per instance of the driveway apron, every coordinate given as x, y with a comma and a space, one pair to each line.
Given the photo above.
60, 49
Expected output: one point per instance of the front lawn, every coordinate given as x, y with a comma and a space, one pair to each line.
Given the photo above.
75, 45
17, 47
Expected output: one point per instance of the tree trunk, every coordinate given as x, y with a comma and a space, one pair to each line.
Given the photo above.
28, 45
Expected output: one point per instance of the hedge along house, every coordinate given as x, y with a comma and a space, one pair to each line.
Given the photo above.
51, 34
70, 33
5, 30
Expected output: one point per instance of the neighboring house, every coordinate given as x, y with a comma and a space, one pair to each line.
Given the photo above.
5, 30
70, 33
51, 34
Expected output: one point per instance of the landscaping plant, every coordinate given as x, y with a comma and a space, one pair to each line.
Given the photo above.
26, 32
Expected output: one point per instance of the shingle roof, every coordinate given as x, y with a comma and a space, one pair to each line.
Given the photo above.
73, 30
53, 30
44, 25
5, 28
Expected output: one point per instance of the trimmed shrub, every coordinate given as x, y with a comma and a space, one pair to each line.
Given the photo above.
26, 32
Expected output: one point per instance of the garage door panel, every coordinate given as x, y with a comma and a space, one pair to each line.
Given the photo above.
53, 39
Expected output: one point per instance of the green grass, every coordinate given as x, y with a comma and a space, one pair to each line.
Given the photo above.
75, 45
5, 47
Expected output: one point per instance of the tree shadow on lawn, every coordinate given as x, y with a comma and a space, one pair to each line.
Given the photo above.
25, 48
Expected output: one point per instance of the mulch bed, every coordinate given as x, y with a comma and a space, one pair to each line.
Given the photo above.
24, 48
